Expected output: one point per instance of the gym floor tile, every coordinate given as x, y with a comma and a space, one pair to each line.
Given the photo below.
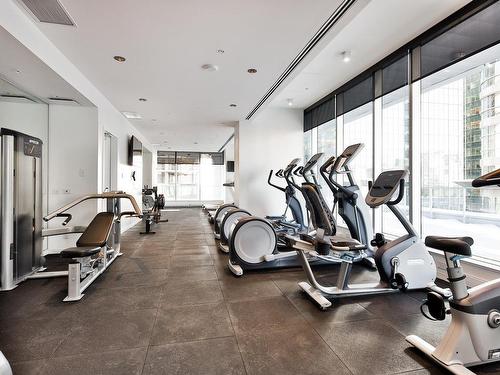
189, 274
132, 265
429, 330
343, 310
191, 260
397, 304
153, 251
215, 357
29, 367
298, 350
371, 347
192, 250
264, 315
109, 331
240, 289
190, 293
126, 299
130, 362
32, 339
152, 278
190, 323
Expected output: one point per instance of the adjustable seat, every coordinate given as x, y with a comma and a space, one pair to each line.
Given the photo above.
454, 245
93, 239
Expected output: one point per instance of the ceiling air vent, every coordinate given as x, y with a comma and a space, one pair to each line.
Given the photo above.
48, 11
63, 101
16, 98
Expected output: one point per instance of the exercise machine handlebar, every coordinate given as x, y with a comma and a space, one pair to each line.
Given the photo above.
274, 185
106, 195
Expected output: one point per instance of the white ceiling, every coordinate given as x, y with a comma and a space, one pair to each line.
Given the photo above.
29, 75
378, 29
166, 42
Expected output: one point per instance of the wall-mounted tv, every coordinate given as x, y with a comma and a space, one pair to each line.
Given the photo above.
134, 149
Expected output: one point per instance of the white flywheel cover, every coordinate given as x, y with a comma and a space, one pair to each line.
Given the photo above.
222, 212
232, 217
254, 240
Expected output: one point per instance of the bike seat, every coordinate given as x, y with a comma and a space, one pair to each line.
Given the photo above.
455, 245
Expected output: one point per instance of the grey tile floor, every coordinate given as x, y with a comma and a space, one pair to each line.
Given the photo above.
170, 306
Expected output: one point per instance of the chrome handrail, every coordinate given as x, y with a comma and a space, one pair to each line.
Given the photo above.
106, 195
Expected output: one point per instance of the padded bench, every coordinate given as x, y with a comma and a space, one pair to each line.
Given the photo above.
93, 239
85, 269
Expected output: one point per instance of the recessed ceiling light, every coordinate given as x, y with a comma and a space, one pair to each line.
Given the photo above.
154, 120
220, 51
165, 141
252, 70
120, 59
233, 105
307, 88
346, 56
289, 102
210, 67
143, 100
195, 143
131, 115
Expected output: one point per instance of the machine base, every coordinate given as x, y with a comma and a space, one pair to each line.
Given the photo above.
428, 350
223, 248
316, 295
235, 269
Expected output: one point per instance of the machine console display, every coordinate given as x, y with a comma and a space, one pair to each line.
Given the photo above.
312, 161
347, 156
384, 187
32, 147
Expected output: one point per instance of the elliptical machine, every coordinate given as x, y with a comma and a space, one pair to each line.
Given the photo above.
473, 336
254, 241
291, 200
402, 264
348, 198
219, 214
280, 223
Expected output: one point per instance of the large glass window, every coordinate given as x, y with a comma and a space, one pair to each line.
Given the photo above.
454, 108
395, 150
327, 144
358, 128
166, 177
460, 130
307, 145
190, 176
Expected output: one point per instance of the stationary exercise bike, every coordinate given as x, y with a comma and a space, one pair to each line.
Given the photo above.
473, 336
402, 264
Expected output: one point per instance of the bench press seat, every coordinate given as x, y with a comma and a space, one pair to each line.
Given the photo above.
80, 252
93, 238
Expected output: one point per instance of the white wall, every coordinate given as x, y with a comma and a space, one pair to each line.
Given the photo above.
23, 28
72, 165
266, 142
147, 170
